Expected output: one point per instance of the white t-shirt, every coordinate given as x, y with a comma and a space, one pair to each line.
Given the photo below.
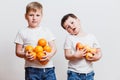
30, 36
80, 66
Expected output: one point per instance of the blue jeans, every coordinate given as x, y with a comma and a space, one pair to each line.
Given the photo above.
80, 76
40, 73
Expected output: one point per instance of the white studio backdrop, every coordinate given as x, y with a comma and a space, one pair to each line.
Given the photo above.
101, 17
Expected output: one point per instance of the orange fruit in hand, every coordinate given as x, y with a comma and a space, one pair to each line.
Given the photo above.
44, 62
40, 55
47, 48
79, 46
93, 50
87, 48
38, 49
89, 55
29, 48
42, 42
34, 54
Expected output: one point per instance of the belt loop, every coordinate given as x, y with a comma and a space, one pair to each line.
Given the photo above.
44, 70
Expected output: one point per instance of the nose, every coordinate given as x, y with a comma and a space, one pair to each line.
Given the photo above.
34, 17
72, 27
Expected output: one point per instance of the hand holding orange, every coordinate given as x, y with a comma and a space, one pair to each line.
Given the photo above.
30, 49
33, 54
89, 55
93, 50
79, 46
38, 51
40, 56
89, 50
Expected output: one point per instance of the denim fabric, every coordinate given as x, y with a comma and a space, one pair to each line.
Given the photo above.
40, 73
80, 76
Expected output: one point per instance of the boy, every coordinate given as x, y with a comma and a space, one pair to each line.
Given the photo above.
79, 67
30, 36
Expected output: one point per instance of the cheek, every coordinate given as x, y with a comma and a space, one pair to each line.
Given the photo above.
39, 20
70, 31
28, 19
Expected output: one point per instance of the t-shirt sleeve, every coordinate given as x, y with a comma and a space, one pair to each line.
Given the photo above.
67, 43
95, 43
18, 38
50, 35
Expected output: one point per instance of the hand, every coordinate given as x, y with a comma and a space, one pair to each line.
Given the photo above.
96, 55
92, 57
29, 56
80, 53
46, 58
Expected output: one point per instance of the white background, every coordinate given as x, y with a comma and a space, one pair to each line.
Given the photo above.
101, 17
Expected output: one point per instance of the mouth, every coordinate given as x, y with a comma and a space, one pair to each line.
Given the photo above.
34, 21
74, 29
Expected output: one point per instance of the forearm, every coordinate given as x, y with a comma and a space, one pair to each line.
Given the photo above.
19, 51
53, 48
97, 56
74, 56
53, 52
20, 54
70, 57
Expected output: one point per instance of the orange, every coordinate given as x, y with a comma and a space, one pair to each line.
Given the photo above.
42, 42
38, 49
29, 48
87, 48
40, 55
44, 62
47, 48
79, 46
89, 55
93, 50
34, 54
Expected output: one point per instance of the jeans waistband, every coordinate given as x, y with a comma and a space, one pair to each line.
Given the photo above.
40, 69
46, 69
86, 74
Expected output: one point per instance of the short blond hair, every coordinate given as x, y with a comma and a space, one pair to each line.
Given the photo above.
34, 6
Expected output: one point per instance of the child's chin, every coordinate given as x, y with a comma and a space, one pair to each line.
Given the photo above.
76, 32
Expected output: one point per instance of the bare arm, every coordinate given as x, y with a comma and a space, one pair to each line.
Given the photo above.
79, 54
53, 46
22, 54
97, 55
19, 51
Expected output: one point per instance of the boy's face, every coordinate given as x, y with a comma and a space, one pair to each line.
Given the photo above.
34, 18
72, 25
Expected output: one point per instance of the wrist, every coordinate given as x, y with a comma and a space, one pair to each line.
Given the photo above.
24, 55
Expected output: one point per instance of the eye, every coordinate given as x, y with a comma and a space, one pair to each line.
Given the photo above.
68, 27
31, 15
38, 15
